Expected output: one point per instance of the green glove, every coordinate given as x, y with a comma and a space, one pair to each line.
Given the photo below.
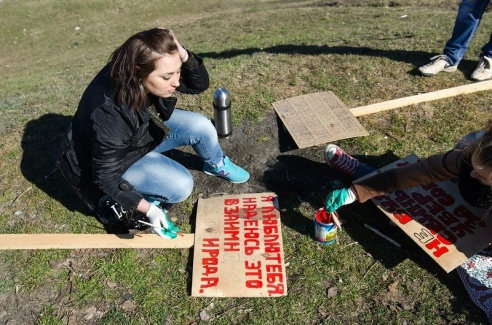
171, 227
339, 197
161, 224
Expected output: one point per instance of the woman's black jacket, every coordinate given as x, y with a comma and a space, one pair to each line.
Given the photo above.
104, 139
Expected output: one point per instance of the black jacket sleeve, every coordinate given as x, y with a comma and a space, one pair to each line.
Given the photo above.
194, 76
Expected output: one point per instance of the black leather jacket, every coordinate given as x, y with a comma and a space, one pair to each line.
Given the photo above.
108, 138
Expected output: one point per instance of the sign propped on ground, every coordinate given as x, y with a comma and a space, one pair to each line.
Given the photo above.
318, 118
238, 247
322, 117
437, 219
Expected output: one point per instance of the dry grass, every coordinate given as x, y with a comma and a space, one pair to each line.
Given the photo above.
262, 51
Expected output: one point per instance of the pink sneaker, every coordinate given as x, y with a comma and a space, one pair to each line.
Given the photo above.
340, 160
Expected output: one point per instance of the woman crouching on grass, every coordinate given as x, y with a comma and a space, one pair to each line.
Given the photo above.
112, 152
470, 163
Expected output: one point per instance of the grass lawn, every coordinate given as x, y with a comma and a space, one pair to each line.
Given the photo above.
262, 51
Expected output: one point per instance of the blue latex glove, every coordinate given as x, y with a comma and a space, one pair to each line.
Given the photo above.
339, 197
158, 219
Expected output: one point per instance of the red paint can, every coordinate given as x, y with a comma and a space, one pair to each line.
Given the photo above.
325, 229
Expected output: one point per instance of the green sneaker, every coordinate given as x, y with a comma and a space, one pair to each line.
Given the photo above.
228, 171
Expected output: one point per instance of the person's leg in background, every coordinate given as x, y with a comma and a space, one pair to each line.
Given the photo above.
338, 159
467, 20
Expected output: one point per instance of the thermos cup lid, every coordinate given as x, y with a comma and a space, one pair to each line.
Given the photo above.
222, 98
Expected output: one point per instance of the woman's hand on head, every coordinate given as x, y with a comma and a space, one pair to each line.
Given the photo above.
183, 54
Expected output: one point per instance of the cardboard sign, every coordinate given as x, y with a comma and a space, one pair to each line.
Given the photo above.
318, 118
238, 247
438, 219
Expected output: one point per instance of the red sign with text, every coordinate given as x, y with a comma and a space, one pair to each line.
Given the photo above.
438, 219
238, 247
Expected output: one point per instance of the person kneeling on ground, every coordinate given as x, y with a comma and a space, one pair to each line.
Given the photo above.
112, 152
470, 163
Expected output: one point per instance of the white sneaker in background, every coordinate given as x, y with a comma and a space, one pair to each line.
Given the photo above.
438, 63
483, 70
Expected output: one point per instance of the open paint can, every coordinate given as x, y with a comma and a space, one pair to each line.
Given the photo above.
325, 229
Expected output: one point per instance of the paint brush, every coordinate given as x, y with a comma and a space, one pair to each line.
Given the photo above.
377, 232
335, 219
149, 224
328, 217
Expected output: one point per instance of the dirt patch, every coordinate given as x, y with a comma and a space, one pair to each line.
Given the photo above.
273, 160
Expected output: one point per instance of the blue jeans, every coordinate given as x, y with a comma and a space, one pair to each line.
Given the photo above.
468, 18
159, 178
469, 139
363, 170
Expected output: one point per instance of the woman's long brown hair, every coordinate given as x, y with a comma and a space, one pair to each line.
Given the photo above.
482, 147
135, 59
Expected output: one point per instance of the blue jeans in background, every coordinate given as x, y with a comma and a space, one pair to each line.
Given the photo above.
468, 18
159, 178
469, 139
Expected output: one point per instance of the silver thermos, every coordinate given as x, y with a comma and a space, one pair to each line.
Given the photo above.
222, 112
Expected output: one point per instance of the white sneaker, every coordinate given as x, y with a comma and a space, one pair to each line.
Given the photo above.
483, 70
438, 63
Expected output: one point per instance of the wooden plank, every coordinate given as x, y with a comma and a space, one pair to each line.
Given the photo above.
411, 100
76, 241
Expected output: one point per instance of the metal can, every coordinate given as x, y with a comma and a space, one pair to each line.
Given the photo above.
325, 230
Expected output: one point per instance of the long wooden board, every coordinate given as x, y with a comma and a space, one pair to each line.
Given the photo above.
411, 100
79, 241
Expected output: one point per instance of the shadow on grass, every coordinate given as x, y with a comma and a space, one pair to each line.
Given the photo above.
296, 179
416, 58
41, 137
